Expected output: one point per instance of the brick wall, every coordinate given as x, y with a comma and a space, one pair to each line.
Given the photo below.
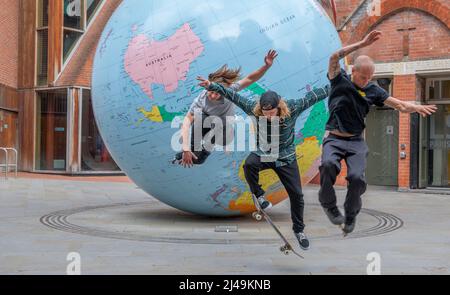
429, 38
9, 31
405, 88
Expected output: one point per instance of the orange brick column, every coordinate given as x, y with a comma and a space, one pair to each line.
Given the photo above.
405, 88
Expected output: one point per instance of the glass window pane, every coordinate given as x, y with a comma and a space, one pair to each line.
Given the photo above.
70, 39
435, 88
42, 55
43, 13
94, 154
439, 147
51, 135
446, 89
92, 6
424, 151
73, 14
385, 83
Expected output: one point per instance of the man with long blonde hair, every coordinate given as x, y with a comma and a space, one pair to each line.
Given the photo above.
211, 104
269, 111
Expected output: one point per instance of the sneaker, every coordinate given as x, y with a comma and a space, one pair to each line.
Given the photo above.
335, 216
349, 226
302, 240
201, 157
264, 204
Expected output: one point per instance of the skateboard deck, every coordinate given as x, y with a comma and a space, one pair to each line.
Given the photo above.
259, 215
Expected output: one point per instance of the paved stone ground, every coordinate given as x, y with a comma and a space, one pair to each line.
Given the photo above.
118, 229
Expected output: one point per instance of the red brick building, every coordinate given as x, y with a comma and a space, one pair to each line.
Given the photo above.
46, 53
46, 57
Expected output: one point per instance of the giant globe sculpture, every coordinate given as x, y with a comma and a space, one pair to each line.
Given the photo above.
144, 80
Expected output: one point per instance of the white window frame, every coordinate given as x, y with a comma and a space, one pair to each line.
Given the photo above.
429, 83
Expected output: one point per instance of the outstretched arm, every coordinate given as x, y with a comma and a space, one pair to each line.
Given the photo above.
188, 156
244, 103
310, 99
335, 68
258, 74
409, 108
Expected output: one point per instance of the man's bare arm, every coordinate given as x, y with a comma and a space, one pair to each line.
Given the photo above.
185, 129
409, 108
335, 68
258, 74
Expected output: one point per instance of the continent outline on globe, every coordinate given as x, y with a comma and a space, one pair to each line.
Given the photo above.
164, 62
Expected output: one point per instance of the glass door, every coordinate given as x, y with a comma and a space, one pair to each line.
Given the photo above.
438, 148
435, 137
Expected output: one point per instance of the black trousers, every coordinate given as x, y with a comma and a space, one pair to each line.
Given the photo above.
289, 176
197, 147
354, 151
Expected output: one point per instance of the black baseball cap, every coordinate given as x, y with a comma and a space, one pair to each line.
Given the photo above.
270, 100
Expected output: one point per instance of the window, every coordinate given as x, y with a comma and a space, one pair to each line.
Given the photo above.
73, 24
386, 84
434, 158
42, 42
438, 89
51, 135
92, 6
42, 56
73, 14
77, 15
42, 13
94, 154
70, 40
437, 148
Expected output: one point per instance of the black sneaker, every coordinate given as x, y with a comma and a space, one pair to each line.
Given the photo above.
302, 240
335, 216
349, 226
201, 157
263, 203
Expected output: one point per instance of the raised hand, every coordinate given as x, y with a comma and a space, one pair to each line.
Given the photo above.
203, 82
270, 57
371, 38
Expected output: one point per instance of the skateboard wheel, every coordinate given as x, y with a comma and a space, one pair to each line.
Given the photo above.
257, 216
286, 253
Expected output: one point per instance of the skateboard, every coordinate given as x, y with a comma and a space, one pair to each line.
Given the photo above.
259, 215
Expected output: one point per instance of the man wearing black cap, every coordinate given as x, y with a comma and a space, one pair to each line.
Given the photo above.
274, 113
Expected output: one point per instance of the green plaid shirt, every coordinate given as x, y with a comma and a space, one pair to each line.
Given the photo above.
286, 153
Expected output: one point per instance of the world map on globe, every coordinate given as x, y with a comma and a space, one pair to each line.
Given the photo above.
144, 81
